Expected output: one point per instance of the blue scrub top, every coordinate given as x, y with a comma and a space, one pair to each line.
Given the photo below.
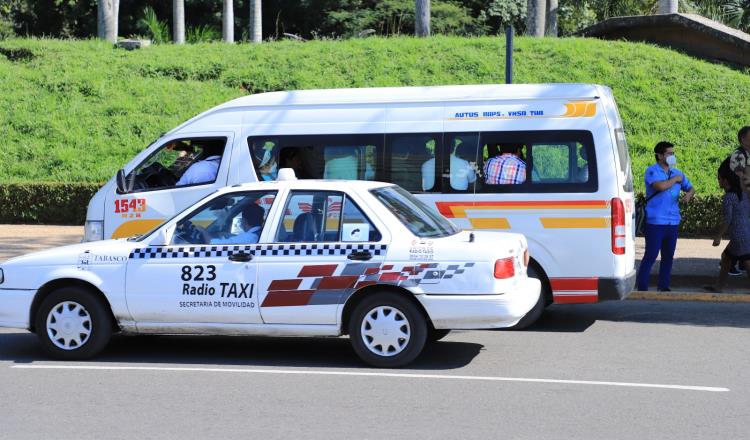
663, 209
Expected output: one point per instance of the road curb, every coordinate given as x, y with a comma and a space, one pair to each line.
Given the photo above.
690, 296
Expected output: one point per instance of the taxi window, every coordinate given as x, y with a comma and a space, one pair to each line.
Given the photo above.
324, 216
236, 218
356, 227
420, 219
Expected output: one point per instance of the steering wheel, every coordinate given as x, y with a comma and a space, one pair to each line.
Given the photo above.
191, 234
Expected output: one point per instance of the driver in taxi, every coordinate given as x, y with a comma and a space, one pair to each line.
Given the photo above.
252, 223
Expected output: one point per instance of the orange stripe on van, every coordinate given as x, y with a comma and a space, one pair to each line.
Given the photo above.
489, 223
458, 209
575, 222
136, 227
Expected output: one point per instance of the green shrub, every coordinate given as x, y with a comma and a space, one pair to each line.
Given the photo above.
700, 217
6, 29
45, 203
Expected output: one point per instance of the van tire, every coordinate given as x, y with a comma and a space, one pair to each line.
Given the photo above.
389, 312
77, 313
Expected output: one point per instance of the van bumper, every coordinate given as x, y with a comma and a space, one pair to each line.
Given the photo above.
616, 288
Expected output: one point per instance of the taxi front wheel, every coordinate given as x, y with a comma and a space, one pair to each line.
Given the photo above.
73, 324
387, 330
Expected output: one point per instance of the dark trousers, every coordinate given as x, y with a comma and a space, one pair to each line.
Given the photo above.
659, 238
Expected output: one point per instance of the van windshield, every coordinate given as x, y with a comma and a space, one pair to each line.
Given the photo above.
414, 214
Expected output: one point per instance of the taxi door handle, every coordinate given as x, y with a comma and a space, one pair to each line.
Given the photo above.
240, 256
360, 255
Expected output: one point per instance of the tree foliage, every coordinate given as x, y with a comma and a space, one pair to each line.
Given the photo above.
339, 18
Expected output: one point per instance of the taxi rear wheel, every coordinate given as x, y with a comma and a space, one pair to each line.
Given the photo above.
73, 324
387, 330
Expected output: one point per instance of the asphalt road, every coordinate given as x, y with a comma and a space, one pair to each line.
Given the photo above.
625, 370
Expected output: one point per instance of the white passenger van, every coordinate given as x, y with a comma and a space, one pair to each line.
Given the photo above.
572, 197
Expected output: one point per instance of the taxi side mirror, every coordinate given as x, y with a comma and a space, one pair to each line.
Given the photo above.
163, 237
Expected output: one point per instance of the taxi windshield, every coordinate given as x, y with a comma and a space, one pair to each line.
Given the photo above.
415, 215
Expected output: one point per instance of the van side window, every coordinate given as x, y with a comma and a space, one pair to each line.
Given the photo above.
180, 162
351, 157
538, 162
411, 160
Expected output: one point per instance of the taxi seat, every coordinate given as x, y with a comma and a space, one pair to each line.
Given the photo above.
306, 227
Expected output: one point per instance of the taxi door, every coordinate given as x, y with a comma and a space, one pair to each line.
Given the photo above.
185, 282
324, 248
154, 195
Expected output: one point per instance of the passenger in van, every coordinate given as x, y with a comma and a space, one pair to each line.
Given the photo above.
268, 168
341, 163
507, 168
291, 157
252, 223
462, 171
582, 172
203, 171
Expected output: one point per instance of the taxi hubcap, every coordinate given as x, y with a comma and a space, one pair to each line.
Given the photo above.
68, 325
385, 331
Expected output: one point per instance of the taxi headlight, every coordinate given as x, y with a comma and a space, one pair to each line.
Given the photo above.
93, 231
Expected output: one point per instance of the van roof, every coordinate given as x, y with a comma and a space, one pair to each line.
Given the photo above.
416, 94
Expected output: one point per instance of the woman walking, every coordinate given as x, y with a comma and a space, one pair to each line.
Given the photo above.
736, 210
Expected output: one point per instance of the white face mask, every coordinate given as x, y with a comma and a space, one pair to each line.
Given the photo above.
671, 160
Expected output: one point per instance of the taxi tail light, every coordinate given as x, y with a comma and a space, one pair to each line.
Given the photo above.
618, 226
504, 268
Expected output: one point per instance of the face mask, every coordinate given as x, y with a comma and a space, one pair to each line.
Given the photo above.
671, 160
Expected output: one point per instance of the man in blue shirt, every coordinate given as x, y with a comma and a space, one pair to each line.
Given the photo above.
252, 224
664, 182
203, 171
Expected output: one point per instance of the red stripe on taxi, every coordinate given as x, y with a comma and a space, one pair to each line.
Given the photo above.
321, 270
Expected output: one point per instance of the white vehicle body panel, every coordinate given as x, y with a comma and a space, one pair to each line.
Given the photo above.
555, 223
286, 288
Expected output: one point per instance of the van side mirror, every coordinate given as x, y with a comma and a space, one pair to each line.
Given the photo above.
163, 237
121, 181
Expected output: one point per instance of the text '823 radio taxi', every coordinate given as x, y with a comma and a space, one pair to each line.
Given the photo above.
286, 258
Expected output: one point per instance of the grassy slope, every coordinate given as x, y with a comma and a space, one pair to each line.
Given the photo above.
79, 110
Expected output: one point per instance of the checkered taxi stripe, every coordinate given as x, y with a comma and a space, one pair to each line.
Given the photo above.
325, 284
271, 250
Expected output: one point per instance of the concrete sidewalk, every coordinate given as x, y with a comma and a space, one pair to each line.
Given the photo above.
696, 261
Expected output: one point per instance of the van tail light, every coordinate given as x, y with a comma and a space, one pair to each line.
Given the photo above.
618, 226
504, 268
526, 257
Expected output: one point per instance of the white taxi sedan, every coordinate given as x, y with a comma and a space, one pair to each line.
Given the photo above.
286, 258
